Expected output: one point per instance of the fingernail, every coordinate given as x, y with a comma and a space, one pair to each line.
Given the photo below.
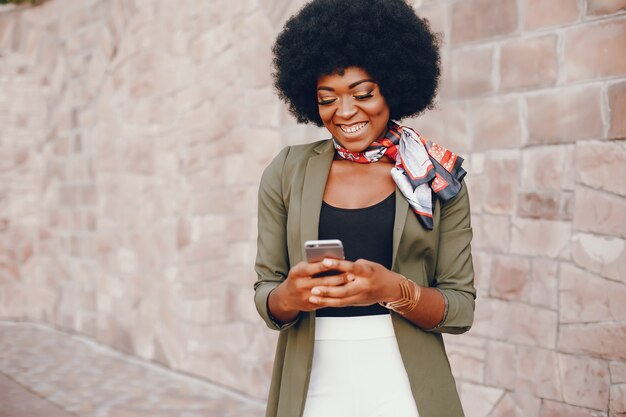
313, 300
328, 262
316, 291
350, 277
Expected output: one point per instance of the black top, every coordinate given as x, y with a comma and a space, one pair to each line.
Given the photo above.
366, 233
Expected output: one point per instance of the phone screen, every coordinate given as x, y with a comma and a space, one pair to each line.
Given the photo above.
317, 250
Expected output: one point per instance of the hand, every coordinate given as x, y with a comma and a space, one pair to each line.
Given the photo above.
366, 283
294, 293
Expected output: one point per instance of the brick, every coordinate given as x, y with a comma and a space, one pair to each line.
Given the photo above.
482, 272
618, 372
477, 161
241, 253
528, 63
496, 124
446, 125
599, 164
468, 339
617, 108
517, 404
469, 72
213, 201
547, 205
467, 362
478, 400
501, 178
559, 409
481, 19
255, 65
545, 167
210, 225
599, 212
543, 287
204, 249
541, 331
604, 340
492, 319
265, 146
498, 361
565, 116
603, 255
7, 30
617, 405
603, 7
261, 109
540, 237
585, 60
538, 373
509, 277
545, 13
586, 298
475, 189
491, 233
588, 381
435, 13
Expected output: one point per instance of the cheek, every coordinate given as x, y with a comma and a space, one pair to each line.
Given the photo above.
326, 114
380, 111
378, 108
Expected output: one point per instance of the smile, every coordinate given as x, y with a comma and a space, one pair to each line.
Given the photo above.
353, 127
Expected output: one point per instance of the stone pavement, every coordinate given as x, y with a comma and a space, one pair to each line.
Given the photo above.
47, 373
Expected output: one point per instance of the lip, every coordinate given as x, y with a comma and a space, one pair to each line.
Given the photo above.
352, 128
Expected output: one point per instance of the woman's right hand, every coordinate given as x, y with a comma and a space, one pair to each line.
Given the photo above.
292, 296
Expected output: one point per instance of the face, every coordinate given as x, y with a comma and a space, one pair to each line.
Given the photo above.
352, 108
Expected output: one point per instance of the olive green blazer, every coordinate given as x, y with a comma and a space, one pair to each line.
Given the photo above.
290, 198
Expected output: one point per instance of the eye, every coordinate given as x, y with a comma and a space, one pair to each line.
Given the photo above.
325, 102
364, 96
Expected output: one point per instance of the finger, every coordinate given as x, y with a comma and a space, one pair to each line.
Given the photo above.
333, 292
300, 270
339, 264
362, 267
334, 302
326, 265
330, 281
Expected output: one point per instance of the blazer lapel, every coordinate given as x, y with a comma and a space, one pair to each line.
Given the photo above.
315, 178
402, 207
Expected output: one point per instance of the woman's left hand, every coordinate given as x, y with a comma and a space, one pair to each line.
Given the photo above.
371, 284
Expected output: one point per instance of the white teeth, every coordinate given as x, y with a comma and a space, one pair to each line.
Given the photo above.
352, 128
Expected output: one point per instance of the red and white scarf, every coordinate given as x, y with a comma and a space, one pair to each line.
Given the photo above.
423, 170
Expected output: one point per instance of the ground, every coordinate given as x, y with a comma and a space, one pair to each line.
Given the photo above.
48, 373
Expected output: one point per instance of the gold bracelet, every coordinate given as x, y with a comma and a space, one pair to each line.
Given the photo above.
411, 293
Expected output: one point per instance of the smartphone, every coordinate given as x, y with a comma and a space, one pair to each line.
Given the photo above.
317, 250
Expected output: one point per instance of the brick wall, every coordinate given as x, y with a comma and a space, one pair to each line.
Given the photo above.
534, 94
126, 128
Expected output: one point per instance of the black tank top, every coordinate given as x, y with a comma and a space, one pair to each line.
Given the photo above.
366, 233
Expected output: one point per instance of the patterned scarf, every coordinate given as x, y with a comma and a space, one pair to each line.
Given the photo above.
423, 170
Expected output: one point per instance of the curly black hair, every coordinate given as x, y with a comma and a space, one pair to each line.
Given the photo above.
384, 37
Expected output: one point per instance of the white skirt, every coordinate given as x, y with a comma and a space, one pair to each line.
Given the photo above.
357, 370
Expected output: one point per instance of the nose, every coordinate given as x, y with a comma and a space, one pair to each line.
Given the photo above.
346, 109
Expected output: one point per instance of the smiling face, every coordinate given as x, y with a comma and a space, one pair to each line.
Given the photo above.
352, 108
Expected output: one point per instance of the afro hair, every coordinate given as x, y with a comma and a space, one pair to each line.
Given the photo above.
384, 37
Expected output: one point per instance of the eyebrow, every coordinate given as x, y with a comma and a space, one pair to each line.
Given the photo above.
367, 80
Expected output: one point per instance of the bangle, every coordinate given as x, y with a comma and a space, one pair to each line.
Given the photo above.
411, 293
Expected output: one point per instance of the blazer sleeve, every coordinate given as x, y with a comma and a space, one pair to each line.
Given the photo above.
272, 259
454, 270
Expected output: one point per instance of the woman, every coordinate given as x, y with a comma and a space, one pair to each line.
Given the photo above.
367, 340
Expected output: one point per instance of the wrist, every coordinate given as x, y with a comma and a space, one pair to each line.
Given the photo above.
392, 290
410, 294
279, 307
279, 297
